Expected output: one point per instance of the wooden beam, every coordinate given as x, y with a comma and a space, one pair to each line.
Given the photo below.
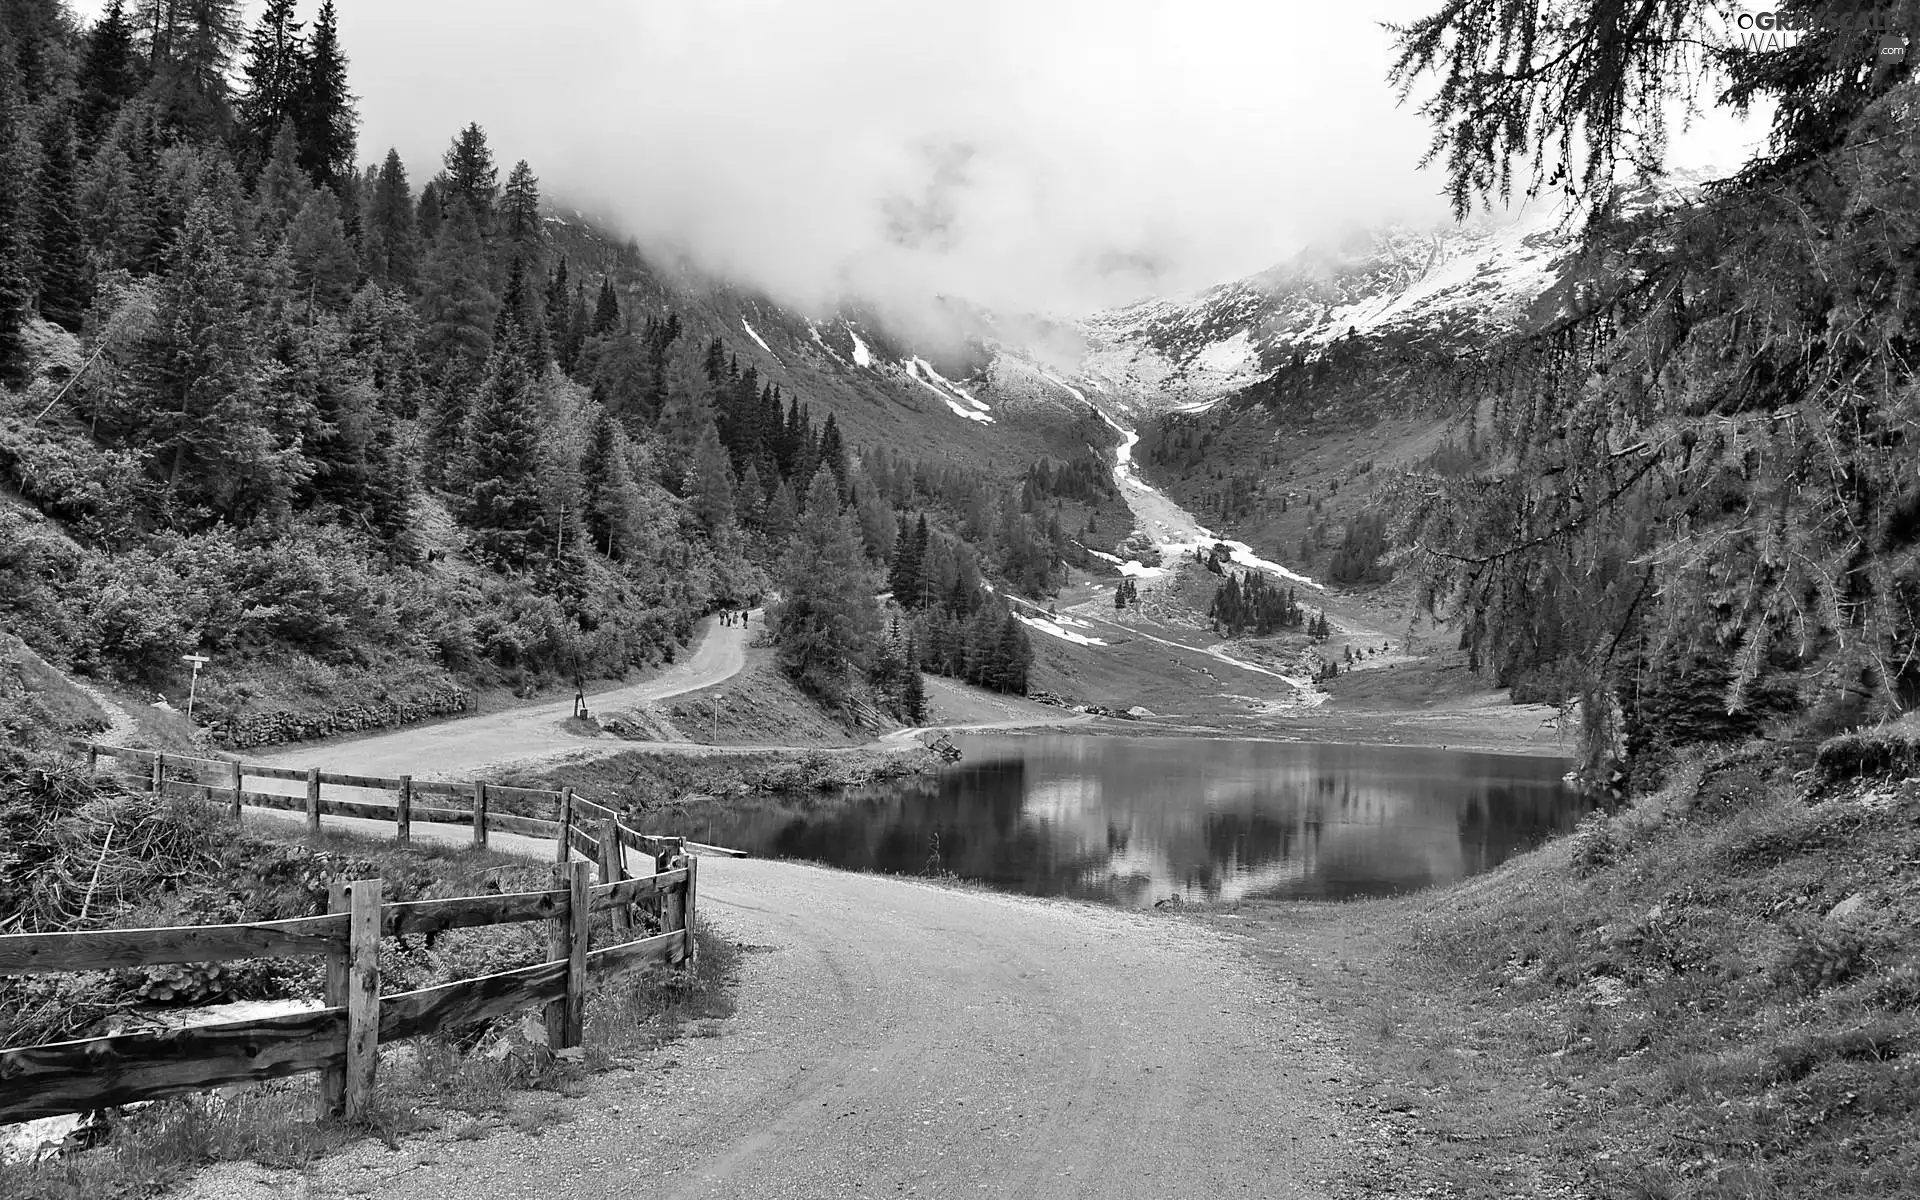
239, 791
260, 772
693, 886
333, 1080
563, 834
108, 949
612, 871
531, 826
463, 912
633, 891
376, 782
313, 800
104, 1072
403, 812
579, 930
363, 995
614, 959
451, 1005
479, 814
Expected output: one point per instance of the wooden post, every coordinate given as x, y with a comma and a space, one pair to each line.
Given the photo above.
563, 848
313, 799
403, 812
693, 877
567, 942
93, 758
659, 906
479, 814
333, 1080
613, 869
363, 995
158, 779
239, 789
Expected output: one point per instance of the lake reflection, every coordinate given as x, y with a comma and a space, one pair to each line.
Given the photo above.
1135, 820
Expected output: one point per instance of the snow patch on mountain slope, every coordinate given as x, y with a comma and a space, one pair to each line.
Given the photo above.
862, 357
762, 342
1049, 627
978, 413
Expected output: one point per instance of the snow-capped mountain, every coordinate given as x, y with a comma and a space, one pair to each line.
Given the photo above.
1439, 289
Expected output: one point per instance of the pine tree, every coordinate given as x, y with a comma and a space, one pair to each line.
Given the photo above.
430, 214
904, 578
501, 498
192, 44
65, 286
826, 626
610, 500
393, 239
520, 210
683, 425
606, 311
273, 70
456, 308
750, 498
913, 694
323, 111
472, 179
282, 188
558, 299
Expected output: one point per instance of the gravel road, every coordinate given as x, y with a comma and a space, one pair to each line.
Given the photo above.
468, 744
895, 1038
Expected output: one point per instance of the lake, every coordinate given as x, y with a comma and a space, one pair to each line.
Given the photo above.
1133, 821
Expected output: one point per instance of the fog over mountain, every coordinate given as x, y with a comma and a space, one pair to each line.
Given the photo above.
1029, 155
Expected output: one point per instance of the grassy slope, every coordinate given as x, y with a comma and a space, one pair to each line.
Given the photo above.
1665, 1004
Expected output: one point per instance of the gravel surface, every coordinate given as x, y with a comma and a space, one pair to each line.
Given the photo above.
901, 1039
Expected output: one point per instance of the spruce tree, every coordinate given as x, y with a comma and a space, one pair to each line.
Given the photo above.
273, 70
323, 112
472, 179
456, 309
825, 626
520, 210
323, 264
15, 287
65, 286
606, 311
111, 74
913, 695
782, 516
610, 499
282, 188
392, 235
711, 486
559, 298
500, 498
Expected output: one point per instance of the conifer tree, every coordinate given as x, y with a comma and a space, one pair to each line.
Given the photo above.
281, 189
559, 295
392, 237
430, 213
750, 498
323, 264
192, 43
711, 486
323, 111
782, 516
273, 70
683, 425
472, 179
606, 311
610, 488
110, 75
15, 287
826, 626
520, 210
501, 499
913, 695
65, 287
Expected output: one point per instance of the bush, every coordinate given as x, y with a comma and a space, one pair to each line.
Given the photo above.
1892, 749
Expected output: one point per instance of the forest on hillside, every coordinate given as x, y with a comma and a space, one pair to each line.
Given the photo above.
1696, 512
355, 427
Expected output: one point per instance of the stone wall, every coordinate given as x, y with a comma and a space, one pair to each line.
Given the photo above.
267, 728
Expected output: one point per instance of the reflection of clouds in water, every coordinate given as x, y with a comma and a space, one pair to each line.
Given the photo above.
1068, 801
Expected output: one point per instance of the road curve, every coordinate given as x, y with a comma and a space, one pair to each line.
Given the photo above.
899, 1039
468, 744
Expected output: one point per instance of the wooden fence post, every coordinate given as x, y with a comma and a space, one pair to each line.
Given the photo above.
93, 758
313, 799
567, 942
563, 850
239, 788
688, 913
158, 779
403, 812
613, 869
363, 994
333, 1080
659, 906
479, 814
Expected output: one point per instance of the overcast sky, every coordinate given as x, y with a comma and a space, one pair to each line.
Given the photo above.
1046, 155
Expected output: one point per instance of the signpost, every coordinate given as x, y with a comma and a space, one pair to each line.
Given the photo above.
198, 661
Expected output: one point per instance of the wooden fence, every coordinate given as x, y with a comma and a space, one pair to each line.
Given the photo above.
341, 1039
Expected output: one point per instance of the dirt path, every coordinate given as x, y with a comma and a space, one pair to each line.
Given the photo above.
473, 744
899, 1039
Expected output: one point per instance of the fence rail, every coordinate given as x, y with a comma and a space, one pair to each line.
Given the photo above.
341, 1039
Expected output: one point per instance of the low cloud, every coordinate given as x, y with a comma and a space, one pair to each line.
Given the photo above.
1038, 155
